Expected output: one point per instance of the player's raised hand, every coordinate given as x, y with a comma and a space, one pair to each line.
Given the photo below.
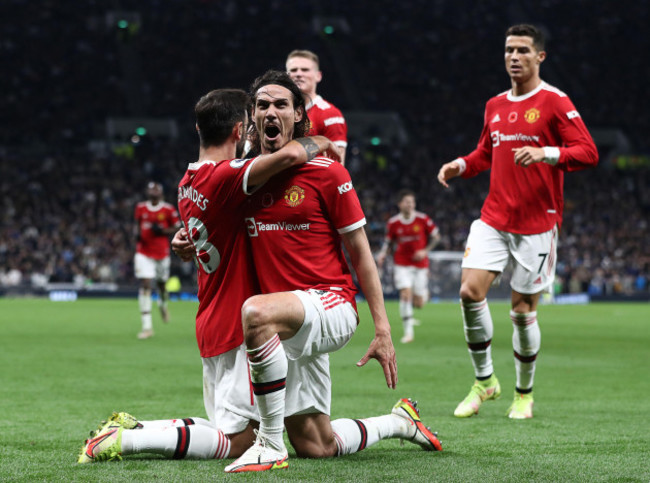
528, 155
382, 349
182, 247
448, 171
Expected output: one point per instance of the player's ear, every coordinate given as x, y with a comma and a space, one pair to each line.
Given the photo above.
298, 114
319, 76
238, 130
541, 56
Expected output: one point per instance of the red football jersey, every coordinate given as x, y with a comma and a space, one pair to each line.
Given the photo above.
326, 120
410, 236
529, 200
164, 215
295, 222
211, 200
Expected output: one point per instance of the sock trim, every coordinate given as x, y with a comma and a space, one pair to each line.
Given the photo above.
263, 388
182, 443
526, 359
524, 391
479, 346
364, 434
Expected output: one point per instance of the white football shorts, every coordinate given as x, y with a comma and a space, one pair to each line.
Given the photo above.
227, 391
330, 322
532, 257
417, 279
150, 268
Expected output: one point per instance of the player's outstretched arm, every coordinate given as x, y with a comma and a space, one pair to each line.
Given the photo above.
381, 347
448, 171
295, 152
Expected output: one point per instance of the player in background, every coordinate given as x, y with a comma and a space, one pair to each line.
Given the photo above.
326, 119
296, 223
414, 235
155, 221
532, 135
211, 196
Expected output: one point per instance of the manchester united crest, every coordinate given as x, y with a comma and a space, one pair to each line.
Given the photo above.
294, 196
532, 115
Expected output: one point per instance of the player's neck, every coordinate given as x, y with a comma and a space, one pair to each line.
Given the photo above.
218, 153
309, 98
408, 216
523, 88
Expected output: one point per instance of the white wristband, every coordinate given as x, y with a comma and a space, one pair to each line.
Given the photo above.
551, 155
462, 165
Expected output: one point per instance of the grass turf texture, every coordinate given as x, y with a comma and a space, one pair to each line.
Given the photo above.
66, 366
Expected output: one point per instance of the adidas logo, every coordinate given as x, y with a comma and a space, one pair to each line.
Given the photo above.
538, 281
496, 118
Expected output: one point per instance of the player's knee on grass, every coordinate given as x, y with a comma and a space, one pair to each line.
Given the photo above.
311, 436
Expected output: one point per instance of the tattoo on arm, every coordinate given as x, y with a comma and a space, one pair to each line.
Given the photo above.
311, 148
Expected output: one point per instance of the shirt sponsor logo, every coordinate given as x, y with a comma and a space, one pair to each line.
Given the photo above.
255, 227
294, 196
512, 117
498, 138
345, 187
334, 120
572, 114
532, 115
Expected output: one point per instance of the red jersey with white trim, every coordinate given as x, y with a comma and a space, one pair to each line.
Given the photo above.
211, 200
326, 120
295, 222
146, 215
529, 200
410, 236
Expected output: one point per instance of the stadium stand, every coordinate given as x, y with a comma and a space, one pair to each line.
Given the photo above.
68, 191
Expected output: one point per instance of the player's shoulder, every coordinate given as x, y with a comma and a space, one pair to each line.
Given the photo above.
320, 163
397, 218
421, 216
552, 90
141, 205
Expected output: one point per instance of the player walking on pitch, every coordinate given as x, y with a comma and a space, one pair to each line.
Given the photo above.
155, 221
532, 135
414, 235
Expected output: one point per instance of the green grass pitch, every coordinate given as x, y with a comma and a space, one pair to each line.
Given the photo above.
67, 365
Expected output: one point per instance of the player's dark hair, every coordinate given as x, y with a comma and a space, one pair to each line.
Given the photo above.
217, 112
527, 30
282, 79
403, 193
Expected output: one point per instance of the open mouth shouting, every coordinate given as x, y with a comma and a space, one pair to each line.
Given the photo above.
271, 132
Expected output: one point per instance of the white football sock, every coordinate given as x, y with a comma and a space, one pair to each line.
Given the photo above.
268, 366
478, 326
526, 341
144, 300
174, 423
196, 441
354, 435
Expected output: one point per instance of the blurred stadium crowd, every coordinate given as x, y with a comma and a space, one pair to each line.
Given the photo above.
68, 192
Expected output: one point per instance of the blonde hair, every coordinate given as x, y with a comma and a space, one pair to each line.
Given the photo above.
307, 54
